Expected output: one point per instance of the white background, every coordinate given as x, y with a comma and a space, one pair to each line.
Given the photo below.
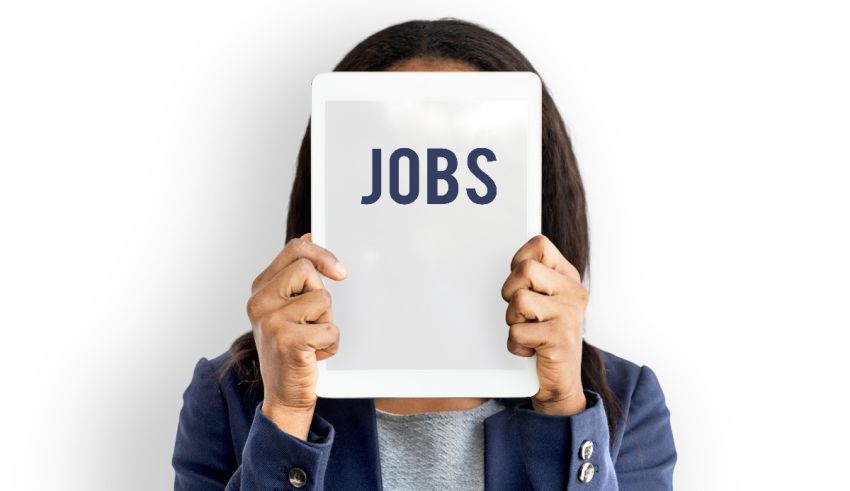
147, 152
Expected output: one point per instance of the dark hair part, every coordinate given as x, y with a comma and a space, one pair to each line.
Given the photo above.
564, 209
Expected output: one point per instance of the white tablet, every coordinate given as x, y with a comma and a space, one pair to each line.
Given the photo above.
424, 185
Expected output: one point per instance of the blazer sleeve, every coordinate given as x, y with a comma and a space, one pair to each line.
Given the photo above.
551, 445
205, 457
647, 454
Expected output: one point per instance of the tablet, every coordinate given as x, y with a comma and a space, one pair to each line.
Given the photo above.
424, 185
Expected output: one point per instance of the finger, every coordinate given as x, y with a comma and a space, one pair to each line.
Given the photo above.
519, 349
527, 305
542, 249
324, 261
534, 275
312, 306
298, 277
323, 338
535, 335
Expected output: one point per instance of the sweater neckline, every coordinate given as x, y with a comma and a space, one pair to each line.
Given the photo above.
487, 407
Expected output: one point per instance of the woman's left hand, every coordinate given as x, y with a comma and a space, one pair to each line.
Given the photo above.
546, 303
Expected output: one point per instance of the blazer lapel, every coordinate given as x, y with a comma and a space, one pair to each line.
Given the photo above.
355, 461
503, 469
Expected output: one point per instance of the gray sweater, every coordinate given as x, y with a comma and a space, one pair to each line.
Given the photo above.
435, 450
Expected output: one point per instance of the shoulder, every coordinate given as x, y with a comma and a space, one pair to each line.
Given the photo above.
216, 385
212, 378
645, 418
217, 405
235, 387
220, 365
625, 376
631, 382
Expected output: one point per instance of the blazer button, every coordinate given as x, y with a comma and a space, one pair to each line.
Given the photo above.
586, 450
586, 472
297, 477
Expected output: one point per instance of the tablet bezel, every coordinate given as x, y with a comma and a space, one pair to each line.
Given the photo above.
443, 85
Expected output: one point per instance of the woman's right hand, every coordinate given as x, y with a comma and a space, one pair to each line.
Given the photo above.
292, 321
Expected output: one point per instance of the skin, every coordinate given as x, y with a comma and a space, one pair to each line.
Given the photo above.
292, 319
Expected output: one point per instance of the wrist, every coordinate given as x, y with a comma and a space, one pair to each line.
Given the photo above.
294, 421
566, 406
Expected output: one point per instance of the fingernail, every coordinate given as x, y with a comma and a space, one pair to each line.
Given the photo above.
341, 268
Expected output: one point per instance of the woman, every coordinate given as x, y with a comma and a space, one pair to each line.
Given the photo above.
251, 418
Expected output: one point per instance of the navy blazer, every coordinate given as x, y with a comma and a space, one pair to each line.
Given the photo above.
224, 442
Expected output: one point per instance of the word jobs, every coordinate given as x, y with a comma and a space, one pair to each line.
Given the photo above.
434, 175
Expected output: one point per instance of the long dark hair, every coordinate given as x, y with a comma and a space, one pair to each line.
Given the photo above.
564, 207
